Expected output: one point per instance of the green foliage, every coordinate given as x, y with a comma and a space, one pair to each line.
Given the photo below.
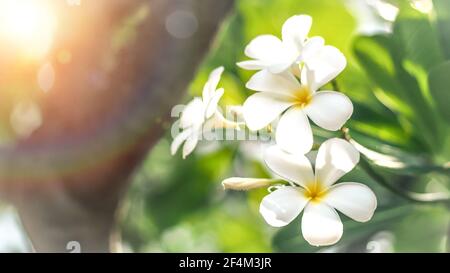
398, 220
430, 238
442, 8
417, 38
439, 82
290, 240
398, 66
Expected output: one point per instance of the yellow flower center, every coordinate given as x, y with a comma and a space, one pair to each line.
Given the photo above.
303, 96
315, 192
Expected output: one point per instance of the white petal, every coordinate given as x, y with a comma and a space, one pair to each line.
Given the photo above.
206, 95
280, 63
270, 53
266, 81
355, 200
307, 77
325, 65
179, 139
261, 109
214, 78
295, 30
321, 225
193, 114
190, 144
283, 62
282, 206
293, 133
329, 110
213, 102
263, 47
295, 168
335, 158
211, 85
312, 47
252, 65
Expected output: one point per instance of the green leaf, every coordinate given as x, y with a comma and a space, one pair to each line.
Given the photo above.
419, 50
382, 127
225, 52
289, 239
373, 54
442, 8
424, 230
395, 87
439, 83
417, 38
188, 187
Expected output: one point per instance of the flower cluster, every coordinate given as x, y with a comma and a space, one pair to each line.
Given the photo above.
290, 73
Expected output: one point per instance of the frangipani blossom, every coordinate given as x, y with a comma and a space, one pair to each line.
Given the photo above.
316, 193
283, 94
201, 114
271, 53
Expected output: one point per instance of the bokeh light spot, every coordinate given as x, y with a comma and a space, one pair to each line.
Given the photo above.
181, 24
25, 118
27, 25
46, 77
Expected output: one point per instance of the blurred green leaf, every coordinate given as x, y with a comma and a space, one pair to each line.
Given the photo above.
417, 39
417, 43
439, 82
373, 53
239, 229
192, 184
442, 8
289, 239
385, 128
225, 52
395, 87
424, 230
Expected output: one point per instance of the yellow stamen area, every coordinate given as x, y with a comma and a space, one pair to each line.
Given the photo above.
315, 192
303, 96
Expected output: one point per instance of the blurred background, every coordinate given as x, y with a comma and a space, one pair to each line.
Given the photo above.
397, 77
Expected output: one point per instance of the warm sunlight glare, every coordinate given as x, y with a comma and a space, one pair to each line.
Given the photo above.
27, 25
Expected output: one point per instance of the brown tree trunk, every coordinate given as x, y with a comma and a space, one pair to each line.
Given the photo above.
107, 109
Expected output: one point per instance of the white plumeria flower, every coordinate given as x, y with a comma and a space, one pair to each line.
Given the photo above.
280, 92
315, 193
201, 114
271, 53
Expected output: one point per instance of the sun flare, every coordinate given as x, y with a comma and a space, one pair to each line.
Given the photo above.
27, 25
